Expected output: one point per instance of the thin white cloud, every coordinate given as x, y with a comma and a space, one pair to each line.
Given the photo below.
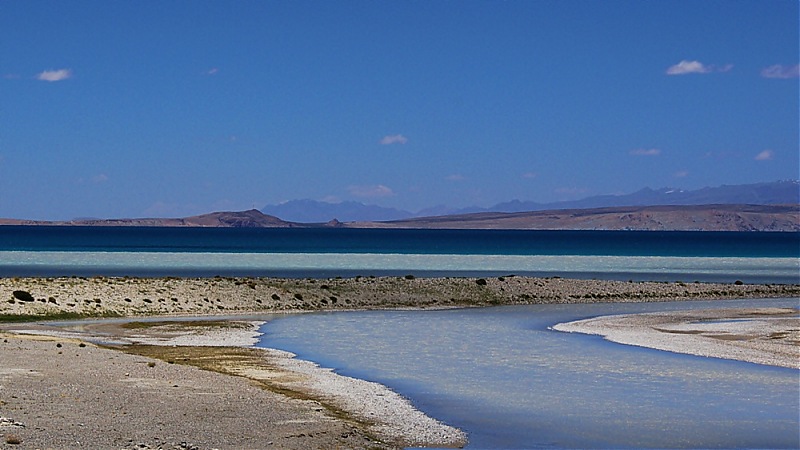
212, 71
530, 175
394, 139
686, 67
781, 71
54, 75
645, 152
455, 177
374, 191
765, 155
571, 191
681, 174
101, 178
331, 199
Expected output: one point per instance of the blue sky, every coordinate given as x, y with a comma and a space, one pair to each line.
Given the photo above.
174, 108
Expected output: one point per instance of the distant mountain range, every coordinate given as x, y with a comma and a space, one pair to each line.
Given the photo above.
660, 217
754, 207
772, 193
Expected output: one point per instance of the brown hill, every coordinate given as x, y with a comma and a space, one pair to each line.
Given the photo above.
229, 219
686, 218
244, 219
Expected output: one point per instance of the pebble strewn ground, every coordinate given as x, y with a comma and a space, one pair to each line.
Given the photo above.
125, 296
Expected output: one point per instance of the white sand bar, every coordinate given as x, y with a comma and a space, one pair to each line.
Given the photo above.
768, 336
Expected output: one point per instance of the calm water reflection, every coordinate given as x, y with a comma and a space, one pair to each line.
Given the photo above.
510, 382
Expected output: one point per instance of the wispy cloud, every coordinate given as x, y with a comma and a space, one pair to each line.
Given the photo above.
212, 71
373, 191
394, 139
455, 177
331, 199
100, 178
781, 71
530, 175
645, 152
765, 155
686, 67
54, 75
571, 191
681, 174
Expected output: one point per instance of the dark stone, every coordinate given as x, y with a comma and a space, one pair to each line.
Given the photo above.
24, 296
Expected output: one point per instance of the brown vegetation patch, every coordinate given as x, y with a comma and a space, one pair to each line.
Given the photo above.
177, 325
663, 330
731, 337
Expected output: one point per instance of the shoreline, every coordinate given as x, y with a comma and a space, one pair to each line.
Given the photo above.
161, 332
63, 393
384, 413
384, 418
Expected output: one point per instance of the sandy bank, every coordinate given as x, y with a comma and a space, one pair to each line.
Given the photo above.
382, 418
759, 335
57, 392
324, 410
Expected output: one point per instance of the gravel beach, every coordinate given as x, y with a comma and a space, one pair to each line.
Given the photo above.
159, 379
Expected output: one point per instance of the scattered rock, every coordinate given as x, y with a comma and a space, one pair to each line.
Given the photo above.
9, 422
24, 296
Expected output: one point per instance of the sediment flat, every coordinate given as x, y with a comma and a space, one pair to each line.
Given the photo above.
768, 336
167, 382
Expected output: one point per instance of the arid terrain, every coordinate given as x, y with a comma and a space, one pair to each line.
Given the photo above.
677, 218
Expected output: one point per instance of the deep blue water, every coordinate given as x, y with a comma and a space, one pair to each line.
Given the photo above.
448, 242
510, 382
327, 252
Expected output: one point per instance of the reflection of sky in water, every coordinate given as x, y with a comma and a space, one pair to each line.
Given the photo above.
775, 270
501, 375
